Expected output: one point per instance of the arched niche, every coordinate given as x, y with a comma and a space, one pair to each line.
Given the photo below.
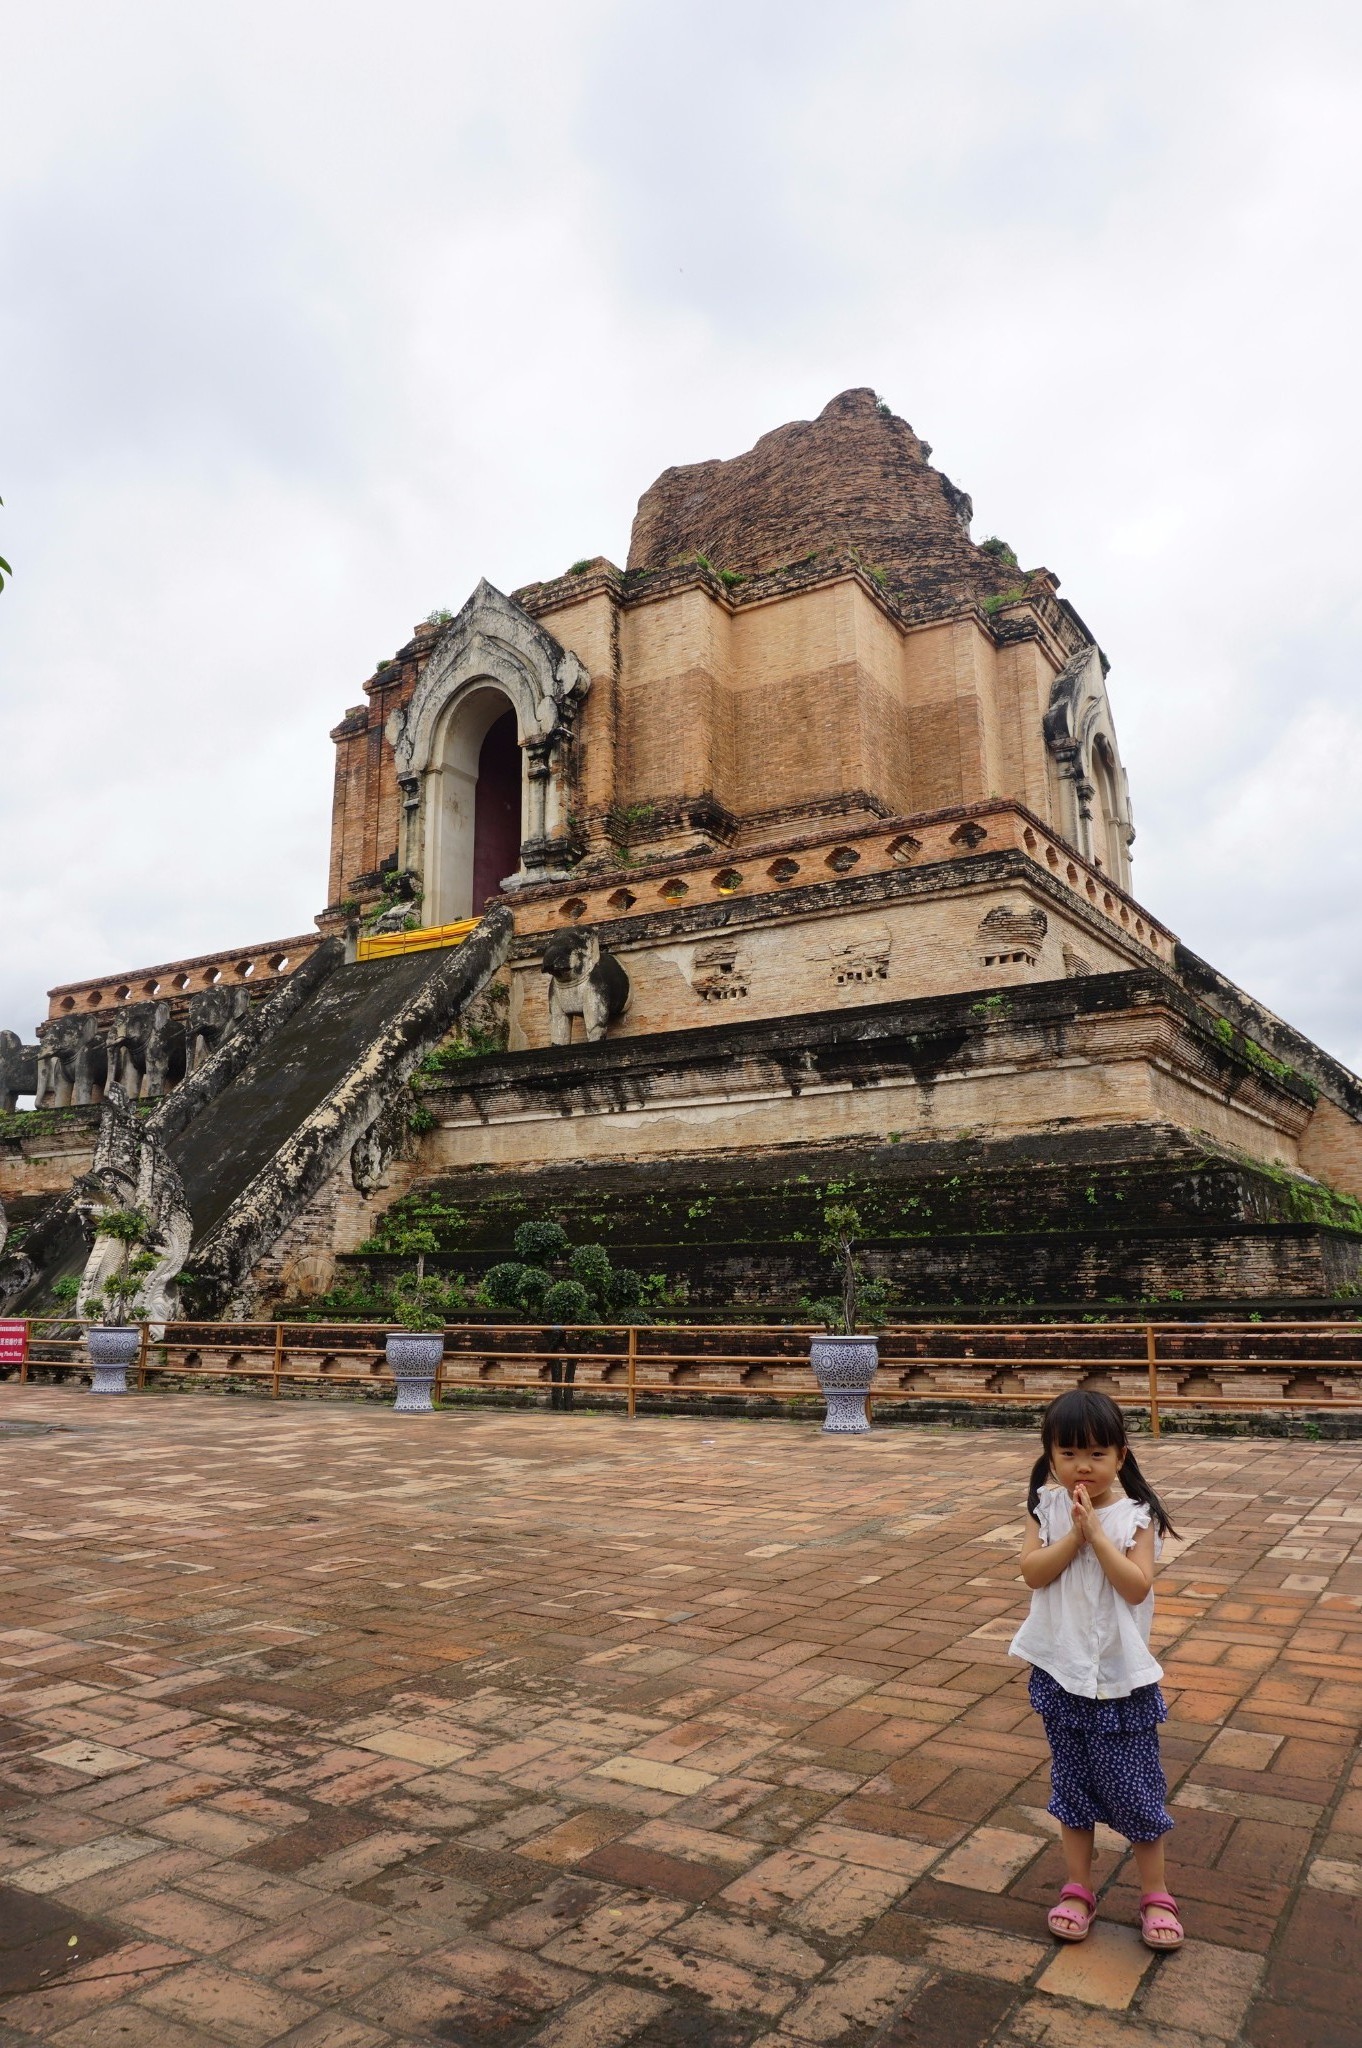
490, 660
475, 804
1091, 798
1110, 824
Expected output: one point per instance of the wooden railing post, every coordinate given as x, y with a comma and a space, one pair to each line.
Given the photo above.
278, 1360
1151, 1346
633, 1366
142, 1357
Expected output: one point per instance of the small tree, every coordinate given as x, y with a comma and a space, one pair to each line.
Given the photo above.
861, 1299
410, 1240
131, 1230
418, 1303
549, 1281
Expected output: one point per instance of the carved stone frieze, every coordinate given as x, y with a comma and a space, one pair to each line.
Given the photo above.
1008, 936
721, 972
860, 958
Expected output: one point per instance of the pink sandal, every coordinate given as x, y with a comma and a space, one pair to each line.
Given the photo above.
1063, 1922
1161, 1934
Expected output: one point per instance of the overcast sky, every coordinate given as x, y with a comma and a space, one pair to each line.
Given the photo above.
312, 315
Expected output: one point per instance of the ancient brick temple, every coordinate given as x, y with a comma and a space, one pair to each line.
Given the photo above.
802, 850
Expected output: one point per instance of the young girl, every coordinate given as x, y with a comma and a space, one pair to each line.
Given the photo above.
1088, 1556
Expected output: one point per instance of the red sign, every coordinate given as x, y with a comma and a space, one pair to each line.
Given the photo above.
13, 1343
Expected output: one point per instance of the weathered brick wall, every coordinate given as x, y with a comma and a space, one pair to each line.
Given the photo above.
1331, 1148
1115, 1213
1044, 1057
41, 1152
302, 1259
848, 663
365, 803
856, 478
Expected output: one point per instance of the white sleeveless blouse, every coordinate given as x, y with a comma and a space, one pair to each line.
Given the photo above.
1080, 1630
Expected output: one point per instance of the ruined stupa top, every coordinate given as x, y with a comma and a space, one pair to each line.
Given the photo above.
855, 482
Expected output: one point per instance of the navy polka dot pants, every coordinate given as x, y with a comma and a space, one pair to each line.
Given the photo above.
1104, 1766
1113, 1778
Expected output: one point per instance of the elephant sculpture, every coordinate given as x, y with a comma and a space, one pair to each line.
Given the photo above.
584, 981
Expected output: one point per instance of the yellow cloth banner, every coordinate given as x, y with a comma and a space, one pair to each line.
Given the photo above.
386, 945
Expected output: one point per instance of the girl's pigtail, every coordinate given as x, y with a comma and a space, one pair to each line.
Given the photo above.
1040, 1472
1139, 1488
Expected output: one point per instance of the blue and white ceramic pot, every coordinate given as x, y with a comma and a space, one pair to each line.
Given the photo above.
414, 1359
113, 1348
845, 1369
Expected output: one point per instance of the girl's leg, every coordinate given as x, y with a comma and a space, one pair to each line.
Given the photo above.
1149, 1861
1078, 1856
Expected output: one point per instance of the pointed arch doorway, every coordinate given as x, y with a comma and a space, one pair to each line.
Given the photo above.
476, 800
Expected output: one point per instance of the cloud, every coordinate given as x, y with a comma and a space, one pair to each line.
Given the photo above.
307, 331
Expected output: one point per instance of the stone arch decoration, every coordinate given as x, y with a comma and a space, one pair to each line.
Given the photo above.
492, 655
1094, 793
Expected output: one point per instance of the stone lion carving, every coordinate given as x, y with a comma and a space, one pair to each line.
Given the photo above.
585, 982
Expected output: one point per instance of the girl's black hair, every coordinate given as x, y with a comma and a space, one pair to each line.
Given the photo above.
1077, 1420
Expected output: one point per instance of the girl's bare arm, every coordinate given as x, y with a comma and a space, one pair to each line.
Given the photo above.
1043, 1562
1130, 1572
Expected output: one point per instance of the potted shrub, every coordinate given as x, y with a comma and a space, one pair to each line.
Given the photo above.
551, 1283
116, 1338
416, 1348
846, 1360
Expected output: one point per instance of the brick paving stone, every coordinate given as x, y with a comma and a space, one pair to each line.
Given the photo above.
112, 1978
424, 2004
1202, 1989
968, 1951
848, 1901
238, 2010
864, 1991
573, 1839
604, 1938
188, 1922
69, 1866
754, 1944
727, 1987
271, 1950
498, 1972
132, 2026
334, 2030
1334, 1874
951, 2013
506, 1728
989, 1859
1055, 2023
650, 1870
1271, 2025
611, 2014
1105, 1970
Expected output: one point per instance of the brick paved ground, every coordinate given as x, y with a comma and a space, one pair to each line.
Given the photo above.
326, 1727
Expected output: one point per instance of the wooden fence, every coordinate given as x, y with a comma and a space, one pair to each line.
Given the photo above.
1229, 1366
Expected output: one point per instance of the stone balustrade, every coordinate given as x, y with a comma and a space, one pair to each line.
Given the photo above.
177, 980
